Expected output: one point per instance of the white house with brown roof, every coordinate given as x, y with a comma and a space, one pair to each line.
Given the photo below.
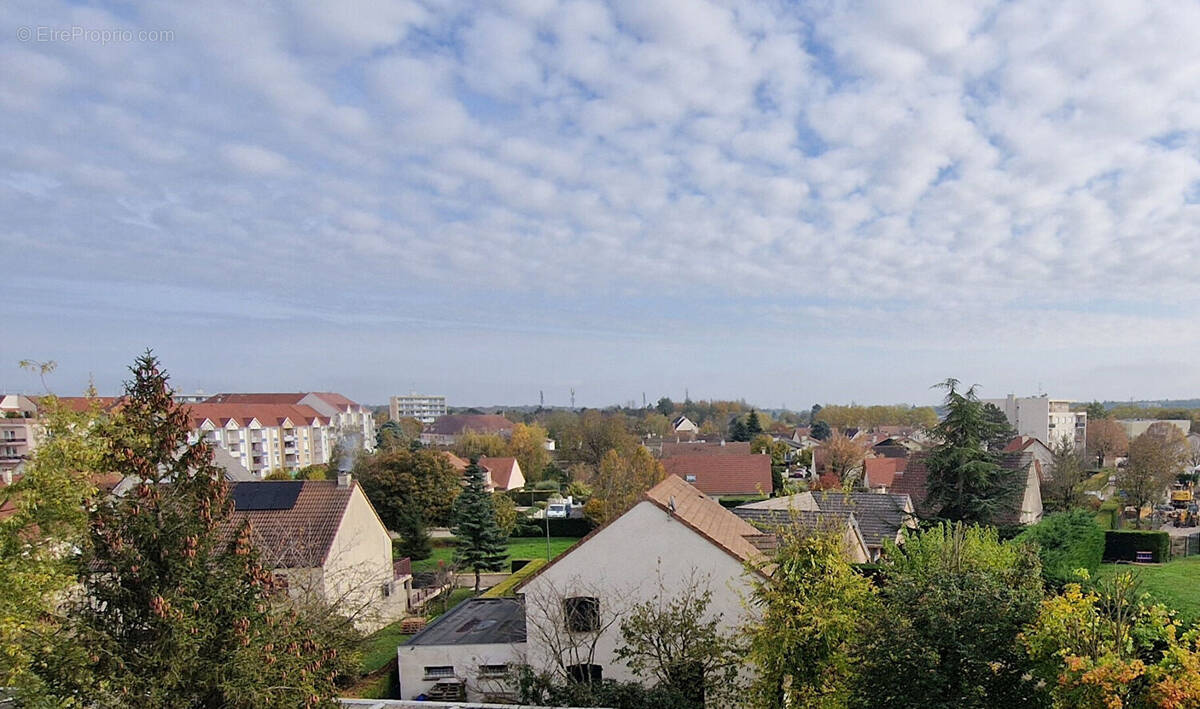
324, 539
675, 537
502, 474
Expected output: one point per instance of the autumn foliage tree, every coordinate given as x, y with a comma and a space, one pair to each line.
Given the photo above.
1105, 437
400, 482
844, 457
1155, 458
620, 481
174, 608
528, 446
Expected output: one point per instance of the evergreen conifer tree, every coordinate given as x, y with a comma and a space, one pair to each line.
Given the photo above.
753, 424
414, 537
481, 544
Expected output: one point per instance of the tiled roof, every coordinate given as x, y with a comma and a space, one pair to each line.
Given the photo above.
83, 403
455, 424
670, 449
335, 399
242, 414
911, 481
300, 536
880, 516
256, 398
723, 474
455, 462
501, 470
881, 471
705, 515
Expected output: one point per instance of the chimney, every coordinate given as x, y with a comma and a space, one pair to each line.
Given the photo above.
344, 478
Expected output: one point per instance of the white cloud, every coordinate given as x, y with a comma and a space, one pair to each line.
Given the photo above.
255, 160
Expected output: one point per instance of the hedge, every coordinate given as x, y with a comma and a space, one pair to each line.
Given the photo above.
1123, 545
559, 527
1066, 541
506, 587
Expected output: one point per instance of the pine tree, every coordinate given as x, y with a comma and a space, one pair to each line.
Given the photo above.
753, 424
414, 537
175, 609
481, 544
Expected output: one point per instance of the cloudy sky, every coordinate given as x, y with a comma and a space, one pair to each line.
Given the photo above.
786, 202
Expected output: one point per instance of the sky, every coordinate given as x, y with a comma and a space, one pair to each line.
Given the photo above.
786, 203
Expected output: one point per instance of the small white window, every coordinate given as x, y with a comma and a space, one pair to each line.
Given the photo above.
690, 478
439, 671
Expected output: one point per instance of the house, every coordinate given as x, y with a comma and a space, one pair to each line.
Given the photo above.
323, 539
502, 474
881, 518
18, 430
682, 424
1040, 451
1024, 508
466, 653
684, 540
880, 473
671, 449
446, 430
264, 437
723, 475
350, 420
771, 520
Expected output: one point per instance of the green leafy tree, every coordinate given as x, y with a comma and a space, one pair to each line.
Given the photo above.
174, 608
472, 444
390, 435
665, 406
481, 544
676, 641
954, 600
398, 480
48, 505
1066, 542
821, 431
1096, 411
528, 446
809, 603
506, 512
965, 481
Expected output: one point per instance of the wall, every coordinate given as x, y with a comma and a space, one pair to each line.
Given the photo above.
360, 564
465, 659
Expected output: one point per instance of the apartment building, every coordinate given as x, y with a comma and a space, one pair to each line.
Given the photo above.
1048, 420
18, 430
348, 418
263, 437
421, 407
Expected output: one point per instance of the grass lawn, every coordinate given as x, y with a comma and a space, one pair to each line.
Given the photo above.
1175, 584
518, 548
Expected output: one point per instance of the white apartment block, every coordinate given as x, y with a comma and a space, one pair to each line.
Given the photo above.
1048, 420
263, 437
421, 407
18, 430
347, 418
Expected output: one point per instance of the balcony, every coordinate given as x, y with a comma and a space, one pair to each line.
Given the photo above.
22, 439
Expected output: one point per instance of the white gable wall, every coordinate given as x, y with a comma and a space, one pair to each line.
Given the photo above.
359, 565
622, 565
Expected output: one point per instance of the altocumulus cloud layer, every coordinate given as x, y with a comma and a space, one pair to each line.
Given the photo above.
790, 202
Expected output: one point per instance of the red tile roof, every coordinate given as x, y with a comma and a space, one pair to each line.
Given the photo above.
882, 471
706, 516
501, 470
243, 414
455, 462
256, 398
912, 480
84, 403
723, 474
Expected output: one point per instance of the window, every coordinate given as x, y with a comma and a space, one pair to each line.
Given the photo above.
689, 478
582, 614
493, 670
585, 673
439, 671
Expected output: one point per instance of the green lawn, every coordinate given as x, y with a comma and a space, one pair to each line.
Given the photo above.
1175, 584
518, 548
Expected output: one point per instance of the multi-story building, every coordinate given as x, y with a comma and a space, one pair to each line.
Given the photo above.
18, 430
421, 407
348, 419
264, 437
1048, 420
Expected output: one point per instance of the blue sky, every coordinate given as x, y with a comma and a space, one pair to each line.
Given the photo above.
784, 202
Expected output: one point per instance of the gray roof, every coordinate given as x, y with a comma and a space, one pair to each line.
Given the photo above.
235, 472
880, 516
768, 519
476, 621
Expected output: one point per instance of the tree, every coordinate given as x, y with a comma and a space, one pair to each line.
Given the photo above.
753, 424
665, 406
619, 483
738, 431
778, 451
1001, 430
1064, 488
809, 604
414, 541
174, 607
528, 446
954, 600
472, 444
1066, 543
399, 480
48, 516
1108, 647
481, 544
676, 641
1106, 437
1095, 412
506, 512
844, 458
1155, 459
39, 368
820, 430
390, 436
965, 481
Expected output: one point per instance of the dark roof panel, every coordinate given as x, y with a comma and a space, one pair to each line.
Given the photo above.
271, 495
476, 621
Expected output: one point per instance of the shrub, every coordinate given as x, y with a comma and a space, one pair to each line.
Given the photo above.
1123, 545
1066, 541
559, 527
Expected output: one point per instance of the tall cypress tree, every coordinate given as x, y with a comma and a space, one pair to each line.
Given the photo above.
481, 544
